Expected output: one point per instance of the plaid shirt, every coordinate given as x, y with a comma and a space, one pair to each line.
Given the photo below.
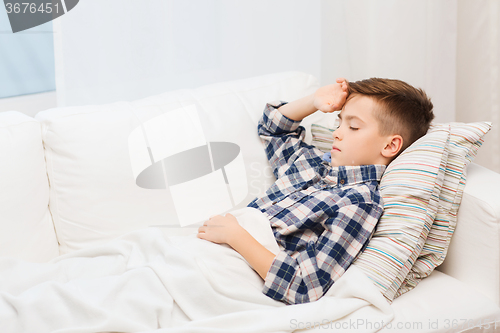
322, 216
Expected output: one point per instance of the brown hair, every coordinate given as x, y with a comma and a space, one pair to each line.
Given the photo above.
402, 109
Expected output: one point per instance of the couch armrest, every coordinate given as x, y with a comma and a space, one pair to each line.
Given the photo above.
474, 253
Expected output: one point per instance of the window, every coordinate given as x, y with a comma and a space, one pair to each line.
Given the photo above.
26, 59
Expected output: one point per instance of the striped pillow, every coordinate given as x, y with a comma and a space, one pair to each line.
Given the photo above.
322, 133
410, 188
465, 140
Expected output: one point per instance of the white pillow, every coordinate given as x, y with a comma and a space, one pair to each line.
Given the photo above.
25, 220
95, 154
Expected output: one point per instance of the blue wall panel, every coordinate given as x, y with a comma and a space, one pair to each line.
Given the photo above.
26, 59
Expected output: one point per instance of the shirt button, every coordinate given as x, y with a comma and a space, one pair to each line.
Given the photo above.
342, 181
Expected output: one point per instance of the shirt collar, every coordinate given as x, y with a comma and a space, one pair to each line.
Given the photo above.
350, 174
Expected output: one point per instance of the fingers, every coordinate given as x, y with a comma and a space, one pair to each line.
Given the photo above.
203, 232
341, 79
343, 83
207, 224
340, 102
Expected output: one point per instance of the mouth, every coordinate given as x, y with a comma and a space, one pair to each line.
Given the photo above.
334, 149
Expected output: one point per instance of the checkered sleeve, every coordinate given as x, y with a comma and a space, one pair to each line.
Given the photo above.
282, 137
306, 274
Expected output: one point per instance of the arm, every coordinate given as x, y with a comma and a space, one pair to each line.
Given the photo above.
279, 125
327, 99
311, 271
226, 230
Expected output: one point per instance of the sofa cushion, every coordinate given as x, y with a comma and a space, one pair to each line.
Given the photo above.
108, 167
474, 252
441, 303
26, 223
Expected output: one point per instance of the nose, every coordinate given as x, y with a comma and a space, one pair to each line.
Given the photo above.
336, 134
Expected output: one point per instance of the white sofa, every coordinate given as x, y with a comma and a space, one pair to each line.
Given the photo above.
73, 177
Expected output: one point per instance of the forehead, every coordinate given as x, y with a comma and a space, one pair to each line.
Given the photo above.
359, 106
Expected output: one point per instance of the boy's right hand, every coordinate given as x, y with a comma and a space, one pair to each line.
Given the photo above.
331, 97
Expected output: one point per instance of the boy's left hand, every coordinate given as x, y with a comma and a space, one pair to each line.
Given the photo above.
226, 230
331, 97
220, 229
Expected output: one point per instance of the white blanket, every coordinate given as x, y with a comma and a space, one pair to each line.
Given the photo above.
150, 281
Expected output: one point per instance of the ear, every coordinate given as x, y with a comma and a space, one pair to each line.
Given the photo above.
393, 146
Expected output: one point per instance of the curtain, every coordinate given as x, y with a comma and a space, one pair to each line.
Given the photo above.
478, 73
114, 50
410, 40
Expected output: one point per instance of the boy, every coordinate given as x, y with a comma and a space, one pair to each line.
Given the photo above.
323, 208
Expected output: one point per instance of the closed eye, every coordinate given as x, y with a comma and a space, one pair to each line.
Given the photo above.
353, 128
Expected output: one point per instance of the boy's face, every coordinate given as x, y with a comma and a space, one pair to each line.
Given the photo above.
357, 140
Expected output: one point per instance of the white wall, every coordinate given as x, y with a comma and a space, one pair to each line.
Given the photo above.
411, 40
128, 49
29, 104
123, 50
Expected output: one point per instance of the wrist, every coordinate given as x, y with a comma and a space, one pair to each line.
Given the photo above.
235, 237
309, 102
299, 109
